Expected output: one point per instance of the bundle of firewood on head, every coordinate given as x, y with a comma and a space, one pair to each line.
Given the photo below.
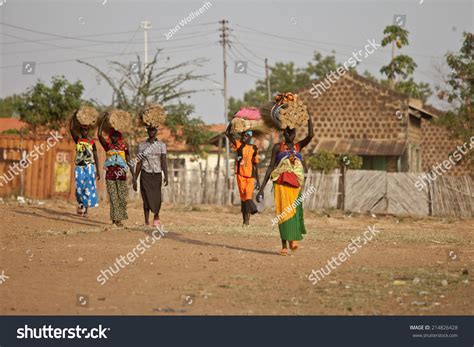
286, 111
249, 118
119, 120
153, 116
87, 116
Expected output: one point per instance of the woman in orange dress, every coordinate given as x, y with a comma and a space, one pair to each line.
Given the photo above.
246, 172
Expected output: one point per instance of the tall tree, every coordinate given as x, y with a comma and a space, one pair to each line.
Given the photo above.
460, 91
135, 86
322, 66
400, 65
47, 106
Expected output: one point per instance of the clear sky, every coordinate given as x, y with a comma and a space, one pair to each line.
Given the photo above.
52, 34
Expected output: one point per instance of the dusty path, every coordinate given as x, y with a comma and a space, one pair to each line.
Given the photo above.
207, 264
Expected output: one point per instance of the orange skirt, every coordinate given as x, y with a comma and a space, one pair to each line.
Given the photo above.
246, 186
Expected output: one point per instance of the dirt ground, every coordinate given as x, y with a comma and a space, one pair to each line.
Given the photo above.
207, 264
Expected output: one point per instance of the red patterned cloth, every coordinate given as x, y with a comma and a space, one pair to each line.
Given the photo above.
116, 173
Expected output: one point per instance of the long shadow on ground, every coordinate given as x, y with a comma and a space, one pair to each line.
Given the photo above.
180, 238
34, 214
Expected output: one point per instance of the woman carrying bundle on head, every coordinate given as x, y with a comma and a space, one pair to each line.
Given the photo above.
287, 173
152, 165
116, 164
86, 160
246, 162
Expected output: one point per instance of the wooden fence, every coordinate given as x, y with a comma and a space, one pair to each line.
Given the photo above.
40, 167
201, 187
51, 175
452, 196
396, 193
359, 191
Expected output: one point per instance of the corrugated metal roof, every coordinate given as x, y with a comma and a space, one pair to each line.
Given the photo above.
11, 123
362, 146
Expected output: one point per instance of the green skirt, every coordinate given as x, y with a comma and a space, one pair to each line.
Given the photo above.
289, 212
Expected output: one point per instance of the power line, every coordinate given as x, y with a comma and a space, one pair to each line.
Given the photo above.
299, 40
58, 39
245, 57
80, 37
235, 59
58, 47
248, 50
165, 50
240, 56
45, 44
121, 54
76, 38
248, 68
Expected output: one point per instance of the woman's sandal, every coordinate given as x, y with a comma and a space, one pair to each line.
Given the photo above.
294, 246
81, 210
284, 252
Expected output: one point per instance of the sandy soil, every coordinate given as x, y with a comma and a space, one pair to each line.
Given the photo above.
206, 263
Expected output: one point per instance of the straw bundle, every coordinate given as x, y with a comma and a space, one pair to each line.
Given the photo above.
119, 120
154, 116
87, 115
292, 113
240, 124
295, 115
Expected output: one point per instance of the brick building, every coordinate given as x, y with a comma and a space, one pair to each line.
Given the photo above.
389, 130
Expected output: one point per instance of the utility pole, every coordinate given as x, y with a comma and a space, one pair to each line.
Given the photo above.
269, 93
225, 41
145, 26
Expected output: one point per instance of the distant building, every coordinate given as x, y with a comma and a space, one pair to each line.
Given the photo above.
180, 156
7, 124
389, 130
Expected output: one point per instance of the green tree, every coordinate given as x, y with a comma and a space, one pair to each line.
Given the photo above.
400, 65
322, 66
7, 106
409, 87
327, 161
183, 127
460, 91
135, 86
323, 161
47, 106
